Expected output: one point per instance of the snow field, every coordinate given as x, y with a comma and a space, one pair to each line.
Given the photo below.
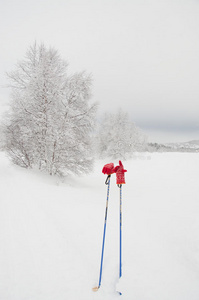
51, 232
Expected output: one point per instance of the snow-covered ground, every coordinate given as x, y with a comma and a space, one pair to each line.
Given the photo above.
51, 232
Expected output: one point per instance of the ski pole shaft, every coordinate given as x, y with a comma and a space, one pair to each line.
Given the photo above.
105, 220
120, 262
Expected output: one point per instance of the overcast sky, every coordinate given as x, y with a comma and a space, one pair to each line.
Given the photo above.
143, 55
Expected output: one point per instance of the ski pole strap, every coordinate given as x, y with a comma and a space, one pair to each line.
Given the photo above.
108, 179
119, 185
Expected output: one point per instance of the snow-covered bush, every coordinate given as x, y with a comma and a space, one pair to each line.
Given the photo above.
117, 137
50, 118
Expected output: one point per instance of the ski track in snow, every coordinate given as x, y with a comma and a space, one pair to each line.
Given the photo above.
51, 232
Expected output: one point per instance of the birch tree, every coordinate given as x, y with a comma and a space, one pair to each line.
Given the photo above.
50, 119
118, 137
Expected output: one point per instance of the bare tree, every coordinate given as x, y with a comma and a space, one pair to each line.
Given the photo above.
50, 118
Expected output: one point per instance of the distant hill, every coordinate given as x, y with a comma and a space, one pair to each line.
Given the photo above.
190, 146
195, 142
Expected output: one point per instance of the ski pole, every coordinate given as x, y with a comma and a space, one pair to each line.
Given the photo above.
107, 169
120, 268
103, 242
120, 179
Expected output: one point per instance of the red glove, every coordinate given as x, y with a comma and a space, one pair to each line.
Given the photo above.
119, 170
108, 169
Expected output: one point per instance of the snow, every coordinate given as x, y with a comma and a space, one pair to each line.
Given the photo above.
51, 232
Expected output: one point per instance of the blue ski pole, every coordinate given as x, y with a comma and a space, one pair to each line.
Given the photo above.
103, 242
107, 169
120, 179
120, 243
120, 268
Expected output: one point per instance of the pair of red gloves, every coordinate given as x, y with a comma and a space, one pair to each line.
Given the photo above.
119, 170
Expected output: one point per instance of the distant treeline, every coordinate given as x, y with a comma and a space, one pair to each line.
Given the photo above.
173, 147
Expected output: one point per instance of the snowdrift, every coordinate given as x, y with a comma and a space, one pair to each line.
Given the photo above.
51, 232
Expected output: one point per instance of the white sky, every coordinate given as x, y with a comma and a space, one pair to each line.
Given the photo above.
143, 55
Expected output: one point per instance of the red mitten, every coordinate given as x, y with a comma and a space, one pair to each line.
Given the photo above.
119, 170
108, 169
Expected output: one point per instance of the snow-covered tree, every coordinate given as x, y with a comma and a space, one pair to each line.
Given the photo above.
50, 118
118, 137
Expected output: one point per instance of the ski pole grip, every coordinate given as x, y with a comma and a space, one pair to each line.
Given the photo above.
119, 170
108, 169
